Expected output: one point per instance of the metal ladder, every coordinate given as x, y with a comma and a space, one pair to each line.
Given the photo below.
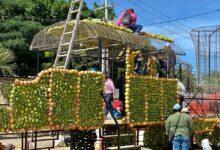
62, 52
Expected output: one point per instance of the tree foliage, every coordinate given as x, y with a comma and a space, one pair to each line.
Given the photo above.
20, 20
6, 59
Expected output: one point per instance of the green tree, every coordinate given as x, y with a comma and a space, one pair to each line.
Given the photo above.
20, 20
6, 61
17, 36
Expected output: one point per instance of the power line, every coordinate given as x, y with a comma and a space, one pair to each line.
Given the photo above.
152, 14
164, 14
165, 29
188, 17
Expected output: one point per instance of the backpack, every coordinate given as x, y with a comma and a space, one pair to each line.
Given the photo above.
126, 19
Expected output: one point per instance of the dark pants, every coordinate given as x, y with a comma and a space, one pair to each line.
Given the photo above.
108, 100
136, 28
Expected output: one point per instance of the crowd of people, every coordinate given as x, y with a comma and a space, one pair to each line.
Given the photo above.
143, 68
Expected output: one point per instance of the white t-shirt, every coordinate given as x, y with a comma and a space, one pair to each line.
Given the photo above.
205, 144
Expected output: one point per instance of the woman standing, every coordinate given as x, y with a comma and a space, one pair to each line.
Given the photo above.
109, 90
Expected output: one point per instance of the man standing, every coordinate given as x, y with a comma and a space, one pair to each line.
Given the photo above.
179, 127
192, 138
109, 90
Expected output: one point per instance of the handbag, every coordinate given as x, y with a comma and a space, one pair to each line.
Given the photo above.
172, 133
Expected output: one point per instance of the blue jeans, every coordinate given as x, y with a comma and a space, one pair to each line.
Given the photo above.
108, 100
181, 143
135, 28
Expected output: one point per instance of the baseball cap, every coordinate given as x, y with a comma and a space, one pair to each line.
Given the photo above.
177, 106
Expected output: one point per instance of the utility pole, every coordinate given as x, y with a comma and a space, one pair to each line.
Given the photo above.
198, 59
105, 54
106, 10
105, 51
180, 72
209, 53
188, 79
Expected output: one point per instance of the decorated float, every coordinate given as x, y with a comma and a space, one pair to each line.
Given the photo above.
70, 100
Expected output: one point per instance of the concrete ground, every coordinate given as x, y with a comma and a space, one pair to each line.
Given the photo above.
15, 139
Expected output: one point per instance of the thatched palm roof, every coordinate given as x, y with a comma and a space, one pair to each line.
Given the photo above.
87, 36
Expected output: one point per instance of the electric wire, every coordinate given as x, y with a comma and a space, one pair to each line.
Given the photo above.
156, 16
164, 14
187, 17
165, 29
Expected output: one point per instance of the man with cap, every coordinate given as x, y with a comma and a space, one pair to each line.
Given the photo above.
192, 138
179, 128
109, 90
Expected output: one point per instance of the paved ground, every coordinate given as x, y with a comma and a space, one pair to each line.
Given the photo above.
17, 143
16, 140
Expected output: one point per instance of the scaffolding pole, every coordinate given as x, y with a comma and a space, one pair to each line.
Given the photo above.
207, 44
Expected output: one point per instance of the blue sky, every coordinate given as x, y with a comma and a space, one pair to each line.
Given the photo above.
173, 9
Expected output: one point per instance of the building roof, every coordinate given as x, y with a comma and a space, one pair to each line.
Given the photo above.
88, 34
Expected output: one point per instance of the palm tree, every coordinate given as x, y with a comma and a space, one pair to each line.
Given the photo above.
6, 59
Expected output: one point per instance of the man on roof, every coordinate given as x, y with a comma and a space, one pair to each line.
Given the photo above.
128, 19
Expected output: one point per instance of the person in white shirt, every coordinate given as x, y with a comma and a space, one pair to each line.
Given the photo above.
206, 144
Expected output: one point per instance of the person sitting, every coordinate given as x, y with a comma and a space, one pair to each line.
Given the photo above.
117, 109
128, 19
206, 144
